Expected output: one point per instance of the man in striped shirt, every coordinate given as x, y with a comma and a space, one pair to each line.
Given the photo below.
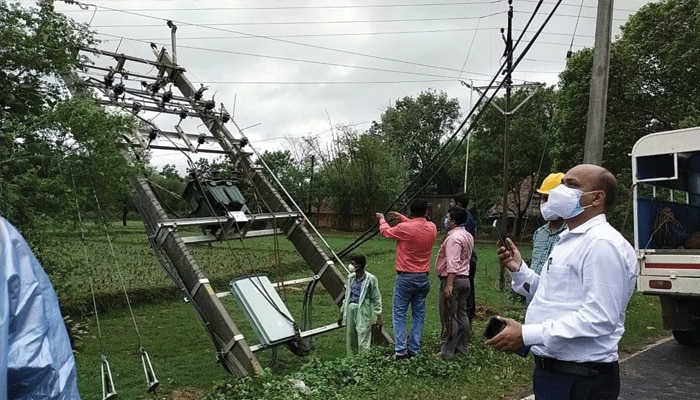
547, 235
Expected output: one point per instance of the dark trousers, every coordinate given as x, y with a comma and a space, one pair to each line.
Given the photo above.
471, 299
551, 385
458, 341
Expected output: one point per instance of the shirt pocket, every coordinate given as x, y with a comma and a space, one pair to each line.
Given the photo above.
561, 285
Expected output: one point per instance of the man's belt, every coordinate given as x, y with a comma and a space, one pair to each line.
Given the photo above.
456, 277
410, 273
586, 369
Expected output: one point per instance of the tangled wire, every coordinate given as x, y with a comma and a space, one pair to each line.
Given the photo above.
664, 224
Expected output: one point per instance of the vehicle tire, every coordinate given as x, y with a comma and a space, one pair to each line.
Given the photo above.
688, 338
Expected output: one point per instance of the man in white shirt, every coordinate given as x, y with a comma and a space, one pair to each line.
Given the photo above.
577, 306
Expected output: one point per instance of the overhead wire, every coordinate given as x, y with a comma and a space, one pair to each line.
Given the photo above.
325, 62
445, 77
469, 51
292, 42
372, 231
277, 23
351, 6
302, 44
331, 22
573, 35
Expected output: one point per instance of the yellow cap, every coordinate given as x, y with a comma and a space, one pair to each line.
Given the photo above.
550, 182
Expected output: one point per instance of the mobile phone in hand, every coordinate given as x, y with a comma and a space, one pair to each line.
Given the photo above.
501, 236
494, 327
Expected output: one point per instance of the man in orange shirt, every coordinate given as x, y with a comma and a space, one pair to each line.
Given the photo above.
414, 237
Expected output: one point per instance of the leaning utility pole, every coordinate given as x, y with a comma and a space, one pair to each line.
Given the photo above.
597, 102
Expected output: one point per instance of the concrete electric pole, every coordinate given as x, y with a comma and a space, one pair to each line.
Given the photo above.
597, 102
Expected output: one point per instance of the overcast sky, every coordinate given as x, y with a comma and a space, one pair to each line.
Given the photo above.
297, 66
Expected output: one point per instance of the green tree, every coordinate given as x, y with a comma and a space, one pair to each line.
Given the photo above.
416, 128
169, 186
54, 148
293, 174
529, 149
358, 174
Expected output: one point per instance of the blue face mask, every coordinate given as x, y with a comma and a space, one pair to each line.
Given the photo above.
447, 223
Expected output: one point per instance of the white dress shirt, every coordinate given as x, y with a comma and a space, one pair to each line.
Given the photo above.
577, 308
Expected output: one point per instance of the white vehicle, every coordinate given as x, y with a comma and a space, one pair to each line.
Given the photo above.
666, 190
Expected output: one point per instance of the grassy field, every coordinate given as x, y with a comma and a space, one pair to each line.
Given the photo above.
184, 359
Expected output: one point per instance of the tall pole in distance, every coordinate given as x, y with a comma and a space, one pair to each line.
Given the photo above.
597, 102
469, 139
311, 184
508, 83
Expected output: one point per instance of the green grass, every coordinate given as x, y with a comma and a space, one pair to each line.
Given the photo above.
183, 356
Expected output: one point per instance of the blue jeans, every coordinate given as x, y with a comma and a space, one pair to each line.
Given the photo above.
409, 289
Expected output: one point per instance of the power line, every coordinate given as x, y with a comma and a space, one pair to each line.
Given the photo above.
161, 39
328, 63
316, 47
98, 75
377, 21
308, 45
347, 6
327, 34
311, 7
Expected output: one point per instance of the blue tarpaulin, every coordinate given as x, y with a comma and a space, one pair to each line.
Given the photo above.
36, 360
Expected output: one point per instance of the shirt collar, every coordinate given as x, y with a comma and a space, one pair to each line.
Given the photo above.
595, 221
456, 229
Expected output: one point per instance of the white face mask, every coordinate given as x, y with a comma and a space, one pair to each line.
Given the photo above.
547, 212
352, 268
566, 202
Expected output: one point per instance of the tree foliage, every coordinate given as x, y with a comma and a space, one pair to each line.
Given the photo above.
293, 174
55, 149
358, 173
529, 146
416, 128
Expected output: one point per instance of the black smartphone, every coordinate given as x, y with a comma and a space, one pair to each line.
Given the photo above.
501, 236
494, 327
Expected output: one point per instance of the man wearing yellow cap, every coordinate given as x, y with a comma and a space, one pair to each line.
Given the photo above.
547, 235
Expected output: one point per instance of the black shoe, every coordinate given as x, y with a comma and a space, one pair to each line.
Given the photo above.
396, 357
411, 354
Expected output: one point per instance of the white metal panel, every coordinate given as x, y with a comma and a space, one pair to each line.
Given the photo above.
264, 309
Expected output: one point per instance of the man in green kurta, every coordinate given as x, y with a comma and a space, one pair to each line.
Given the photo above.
362, 306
